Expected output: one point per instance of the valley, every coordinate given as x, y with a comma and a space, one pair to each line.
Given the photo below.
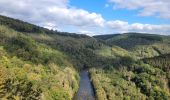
41, 64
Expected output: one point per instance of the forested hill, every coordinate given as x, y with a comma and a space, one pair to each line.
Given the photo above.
133, 39
34, 64
41, 64
37, 63
22, 26
80, 48
162, 62
142, 45
140, 70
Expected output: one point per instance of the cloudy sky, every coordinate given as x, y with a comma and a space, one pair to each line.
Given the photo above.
93, 17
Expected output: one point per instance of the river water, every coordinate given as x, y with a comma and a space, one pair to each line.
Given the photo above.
85, 91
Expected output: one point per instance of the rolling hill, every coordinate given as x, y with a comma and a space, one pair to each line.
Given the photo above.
141, 45
38, 63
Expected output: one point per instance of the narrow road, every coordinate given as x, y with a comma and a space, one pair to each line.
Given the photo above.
85, 91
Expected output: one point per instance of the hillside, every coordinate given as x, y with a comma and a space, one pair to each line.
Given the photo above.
78, 47
141, 45
139, 73
41, 64
32, 70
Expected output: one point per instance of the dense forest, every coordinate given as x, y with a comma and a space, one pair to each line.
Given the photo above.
140, 70
38, 63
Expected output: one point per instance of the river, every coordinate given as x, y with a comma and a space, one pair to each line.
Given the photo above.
85, 91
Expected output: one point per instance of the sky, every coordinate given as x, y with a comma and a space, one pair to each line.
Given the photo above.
93, 17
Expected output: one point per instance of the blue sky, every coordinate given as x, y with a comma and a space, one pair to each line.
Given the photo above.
93, 17
99, 6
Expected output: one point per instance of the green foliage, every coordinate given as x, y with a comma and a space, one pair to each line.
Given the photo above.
80, 50
19, 25
37, 63
162, 62
111, 85
112, 52
134, 80
60, 95
138, 44
28, 69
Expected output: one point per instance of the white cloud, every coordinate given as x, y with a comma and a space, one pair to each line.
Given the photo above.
50, 26
52, 11
123, 26
77, 17
58, 14
158, 8
117, 25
